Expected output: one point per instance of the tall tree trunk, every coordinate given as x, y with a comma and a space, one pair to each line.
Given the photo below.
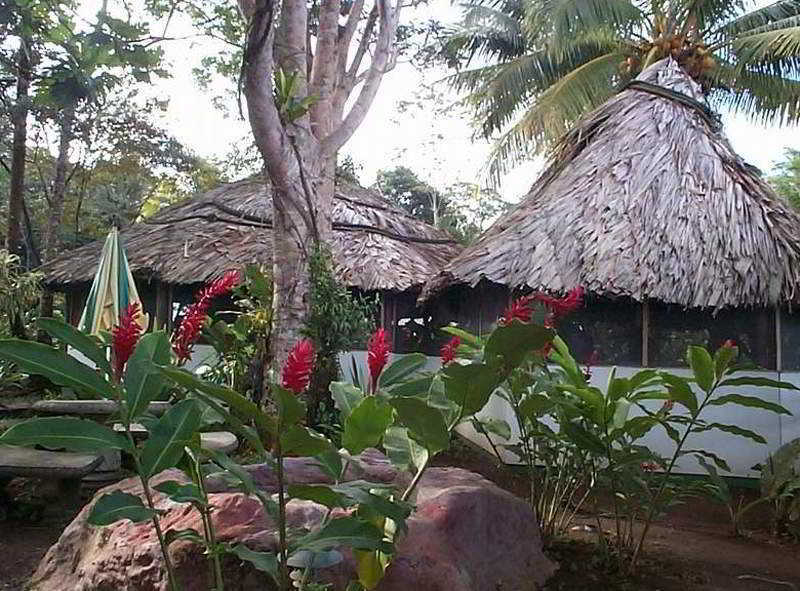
15, 241
57, 201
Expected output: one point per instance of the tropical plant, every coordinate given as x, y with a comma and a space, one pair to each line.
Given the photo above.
21, 291
780, 484
539, 65
786, 177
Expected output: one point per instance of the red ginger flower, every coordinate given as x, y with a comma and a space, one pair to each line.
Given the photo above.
520, 310
560, 307
448, 351
194, 318
124, 337
730, 344
377, 355
296, 373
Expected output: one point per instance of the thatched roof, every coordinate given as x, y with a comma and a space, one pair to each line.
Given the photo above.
375, 246
644, 198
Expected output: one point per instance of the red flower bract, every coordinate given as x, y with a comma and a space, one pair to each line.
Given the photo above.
560, 307
296, 373
730, 344
448, 351
377, 355
520, 310
194, 318
124, 337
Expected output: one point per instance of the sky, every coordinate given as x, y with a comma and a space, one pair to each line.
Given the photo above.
439, 148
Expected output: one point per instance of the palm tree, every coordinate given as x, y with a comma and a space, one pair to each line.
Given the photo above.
535, 66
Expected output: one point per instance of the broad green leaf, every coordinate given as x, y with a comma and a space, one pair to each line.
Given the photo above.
750, 401
535, 405
69, 433
722, 487
172, 432
244, 408
734, 430
369, 568
417, 387
720, 463
584, 439
350, 532
702, 366
319, 493
299, 440
759, 382
266, 562
722, 360
645, 377
469, 386
366, 424
638, 427
618, 387
331, 462
233, 422
346, 397
81, 341
58, 367
189, 535
424, 422
181, 493
467, 338
511, 343
497, 427
623, 407
399, 370
680, 391
112, 507
672, 432
144, 381
360, 491
290, 410
404, 452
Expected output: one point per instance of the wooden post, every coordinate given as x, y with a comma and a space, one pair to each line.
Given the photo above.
163, 316
645, 333
778, 344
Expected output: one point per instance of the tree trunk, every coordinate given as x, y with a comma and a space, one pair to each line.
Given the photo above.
57, 202
15, 241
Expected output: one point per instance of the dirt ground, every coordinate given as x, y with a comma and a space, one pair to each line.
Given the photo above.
690, 551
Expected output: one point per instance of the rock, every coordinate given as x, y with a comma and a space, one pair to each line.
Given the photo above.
465, 535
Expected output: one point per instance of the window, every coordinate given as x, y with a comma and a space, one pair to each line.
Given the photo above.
790, 340
606, 331
673, 329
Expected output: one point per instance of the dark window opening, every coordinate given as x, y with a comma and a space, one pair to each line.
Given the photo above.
604, 331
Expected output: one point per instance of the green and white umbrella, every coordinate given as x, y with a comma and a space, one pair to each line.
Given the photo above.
113, 290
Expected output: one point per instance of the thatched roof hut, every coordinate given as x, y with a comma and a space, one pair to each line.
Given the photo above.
644, 200
376, 247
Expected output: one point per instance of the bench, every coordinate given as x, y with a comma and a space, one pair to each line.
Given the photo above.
66, 468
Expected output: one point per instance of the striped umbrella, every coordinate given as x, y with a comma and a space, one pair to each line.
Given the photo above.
113, 290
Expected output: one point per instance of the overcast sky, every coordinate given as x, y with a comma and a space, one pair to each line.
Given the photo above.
439, 148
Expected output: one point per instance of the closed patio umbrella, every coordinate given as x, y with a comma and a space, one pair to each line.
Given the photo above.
113, 290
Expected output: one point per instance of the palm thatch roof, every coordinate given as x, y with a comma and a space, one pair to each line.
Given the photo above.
375, 246
644, 198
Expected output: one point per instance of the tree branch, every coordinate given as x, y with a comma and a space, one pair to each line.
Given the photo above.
323, 69
389, 17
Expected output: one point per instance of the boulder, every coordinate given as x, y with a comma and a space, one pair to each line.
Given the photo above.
466, 535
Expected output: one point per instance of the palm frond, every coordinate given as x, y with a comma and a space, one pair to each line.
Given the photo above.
764, 97
762, 16
488, 32
779, 47
554, 111
708, 14
561, 19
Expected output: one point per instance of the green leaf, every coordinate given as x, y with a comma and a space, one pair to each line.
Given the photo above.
618, 387
404, 452
750, 401
144, 381
65, 432
535, 405
331, 463
497, 427
190, 535
426, 423
243, 407
758, 382
172, 432
399, 370
467, 338
319, 493
290, 410
511, 343
680, 391
350, 532
722, 486
734, 430
366, 424
233, 422
112, 507
720, 463
346, 397
584, 439
469, 386
81, 341
56, 366
623, 407
359, 491
638, 427
181, 493
702, 366
266, 562
300, 440
417, 387
722, 360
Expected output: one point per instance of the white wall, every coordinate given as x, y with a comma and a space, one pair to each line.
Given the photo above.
740, 453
